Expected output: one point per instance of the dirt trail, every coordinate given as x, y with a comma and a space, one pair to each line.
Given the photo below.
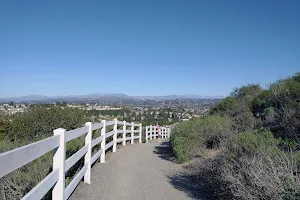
134, 172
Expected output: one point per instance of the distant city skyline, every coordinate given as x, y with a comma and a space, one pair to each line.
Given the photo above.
145, 48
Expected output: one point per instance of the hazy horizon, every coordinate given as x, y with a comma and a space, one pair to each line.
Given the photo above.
79, 95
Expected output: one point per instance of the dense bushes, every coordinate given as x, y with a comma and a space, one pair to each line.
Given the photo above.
279, 108
4, 127
37, 124
238, 108
190, 138
257, 151
256, 168
226, 106
40, 122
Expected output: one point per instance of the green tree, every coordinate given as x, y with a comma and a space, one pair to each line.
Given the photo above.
5, 126
33, 125
279, 108
40, 122
225, 106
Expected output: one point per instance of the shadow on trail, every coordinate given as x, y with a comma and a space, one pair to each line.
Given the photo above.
163, 151
188, 183
184, 180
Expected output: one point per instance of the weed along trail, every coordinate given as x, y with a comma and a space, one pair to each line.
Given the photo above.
139, 171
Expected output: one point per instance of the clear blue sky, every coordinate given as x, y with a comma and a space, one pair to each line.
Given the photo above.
151, 47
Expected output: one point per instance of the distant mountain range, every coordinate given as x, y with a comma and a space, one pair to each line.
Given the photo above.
100, 95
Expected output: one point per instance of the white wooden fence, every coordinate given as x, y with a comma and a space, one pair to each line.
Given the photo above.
153, 132
14, 159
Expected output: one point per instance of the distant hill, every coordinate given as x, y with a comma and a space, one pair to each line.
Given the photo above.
187, 96
25, 98
112, 96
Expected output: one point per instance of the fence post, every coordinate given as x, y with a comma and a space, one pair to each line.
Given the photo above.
103, 130
124, 133
167, 130
140, 139
88, 155
132, 134
151, 132
115, 135
147, 127
59, 163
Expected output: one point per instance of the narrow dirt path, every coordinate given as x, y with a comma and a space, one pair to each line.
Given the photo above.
138, 171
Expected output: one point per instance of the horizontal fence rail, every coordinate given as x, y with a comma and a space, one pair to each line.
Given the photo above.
120, 133
154, 132
14, 159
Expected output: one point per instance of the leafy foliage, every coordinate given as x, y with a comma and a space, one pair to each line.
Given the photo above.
259, 157
225, 107
279, 108
238, 108
189, 138
247, 93
256, 168
5, 125
37, 124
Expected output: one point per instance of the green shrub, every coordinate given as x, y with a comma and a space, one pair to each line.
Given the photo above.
238, 108
279, 108
34, 125
4, 126
256, 168
251, 143
40, 122
256, 164
225, 106
189, 138
247, 92
243, 120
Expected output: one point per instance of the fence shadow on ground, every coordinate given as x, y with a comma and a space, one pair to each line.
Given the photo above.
184, 180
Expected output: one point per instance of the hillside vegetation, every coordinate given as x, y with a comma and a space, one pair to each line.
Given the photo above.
38, 123
248, 146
